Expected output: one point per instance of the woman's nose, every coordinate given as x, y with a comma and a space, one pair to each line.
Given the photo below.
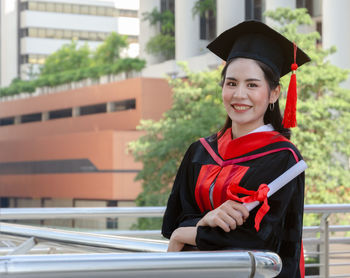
239, 92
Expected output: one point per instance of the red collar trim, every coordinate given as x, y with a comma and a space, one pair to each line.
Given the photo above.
229, 148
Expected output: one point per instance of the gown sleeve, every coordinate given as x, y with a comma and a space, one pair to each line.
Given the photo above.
280, 230
182, 210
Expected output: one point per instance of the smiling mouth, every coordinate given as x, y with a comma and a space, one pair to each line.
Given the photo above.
240, 107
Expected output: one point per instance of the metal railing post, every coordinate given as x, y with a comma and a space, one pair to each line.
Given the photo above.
324, 255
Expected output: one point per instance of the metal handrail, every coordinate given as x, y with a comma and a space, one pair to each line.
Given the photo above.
81, 212
327, 208
85, 212
89, 239
193, 264
69, 213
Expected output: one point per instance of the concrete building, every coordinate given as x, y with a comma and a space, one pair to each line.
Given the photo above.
330, 18
33, 29
70, 148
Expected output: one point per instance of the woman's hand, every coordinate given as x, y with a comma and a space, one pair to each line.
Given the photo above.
228, 216
182, 236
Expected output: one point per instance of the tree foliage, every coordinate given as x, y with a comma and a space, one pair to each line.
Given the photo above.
322, 134
68, 57
71, 63
202, 7
323, 114
162, 44
109, 51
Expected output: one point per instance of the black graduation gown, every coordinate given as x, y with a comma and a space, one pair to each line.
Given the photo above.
280, 229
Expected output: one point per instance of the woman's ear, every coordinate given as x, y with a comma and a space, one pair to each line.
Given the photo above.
275, 94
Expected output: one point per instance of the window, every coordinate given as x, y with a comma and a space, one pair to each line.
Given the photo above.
59, 34
32, 59
93, 36
58, 114
67, 8
110, 12
319, 30
23, 32
124, 105
59, 8
67, 34
50, 7
207, 26
41, 7
33, 32
308, 4
75, 9
7, 121
101, 11
23, 6
167, 5
24, 59
50, 33
253, 9
84, 35
84, 10
31, 118
64, 34
41, 33
33, 6
92, 10
75, 35
128, 13
93, 109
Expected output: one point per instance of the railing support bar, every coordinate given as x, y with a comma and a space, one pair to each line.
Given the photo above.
324, 257
24, 247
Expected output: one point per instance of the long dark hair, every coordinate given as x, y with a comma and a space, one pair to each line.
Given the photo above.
273, 117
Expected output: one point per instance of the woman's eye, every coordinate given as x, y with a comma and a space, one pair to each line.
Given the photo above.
251, 85
230, 83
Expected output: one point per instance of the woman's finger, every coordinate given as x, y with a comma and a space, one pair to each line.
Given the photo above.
222, 224
229, 220
242, 209
236, 215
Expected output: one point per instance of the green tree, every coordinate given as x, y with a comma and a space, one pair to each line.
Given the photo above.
207, 10
323, 114
109, 51
202, 7
195, 101
70, 64
68, 57
162, 44
322, 134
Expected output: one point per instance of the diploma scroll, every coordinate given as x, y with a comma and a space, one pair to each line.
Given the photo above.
281, 181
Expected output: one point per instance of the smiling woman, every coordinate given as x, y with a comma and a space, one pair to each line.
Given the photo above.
246, 95
222, 171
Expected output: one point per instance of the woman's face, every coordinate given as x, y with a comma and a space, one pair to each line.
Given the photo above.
246, 95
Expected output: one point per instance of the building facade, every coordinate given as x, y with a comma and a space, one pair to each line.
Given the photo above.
191, 31
69, 148
33, 29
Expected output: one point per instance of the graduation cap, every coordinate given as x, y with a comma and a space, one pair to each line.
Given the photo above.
255, 40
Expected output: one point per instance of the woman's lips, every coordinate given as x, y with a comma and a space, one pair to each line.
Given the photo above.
241, 107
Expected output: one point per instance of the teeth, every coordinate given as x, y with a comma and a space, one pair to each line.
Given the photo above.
241, 107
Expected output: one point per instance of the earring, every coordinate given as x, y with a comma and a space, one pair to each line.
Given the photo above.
272, 106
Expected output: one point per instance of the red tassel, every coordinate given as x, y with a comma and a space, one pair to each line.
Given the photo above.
289, 118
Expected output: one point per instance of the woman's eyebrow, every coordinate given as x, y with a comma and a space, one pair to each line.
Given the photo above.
247, 80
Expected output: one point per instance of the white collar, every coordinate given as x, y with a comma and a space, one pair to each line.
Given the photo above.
263, 128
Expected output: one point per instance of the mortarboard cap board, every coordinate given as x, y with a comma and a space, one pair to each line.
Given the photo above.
255, 40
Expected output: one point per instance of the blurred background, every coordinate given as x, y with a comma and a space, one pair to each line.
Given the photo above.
99, 100
78, 77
